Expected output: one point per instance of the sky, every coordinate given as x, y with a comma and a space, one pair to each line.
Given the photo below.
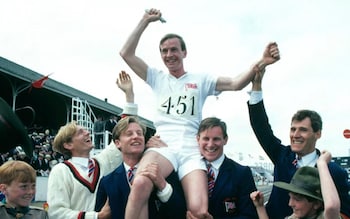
78, 41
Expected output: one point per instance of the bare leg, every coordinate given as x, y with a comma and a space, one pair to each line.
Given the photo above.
196, 192
137, 206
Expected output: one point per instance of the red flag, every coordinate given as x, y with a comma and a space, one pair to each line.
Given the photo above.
40, 83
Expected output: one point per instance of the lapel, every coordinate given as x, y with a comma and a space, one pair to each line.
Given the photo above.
224, 179
120, 189
122, 181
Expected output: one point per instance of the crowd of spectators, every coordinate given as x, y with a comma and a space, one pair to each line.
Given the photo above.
43, 157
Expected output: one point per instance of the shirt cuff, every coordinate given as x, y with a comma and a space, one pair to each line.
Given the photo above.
165, 194
88, 215
130, 109
255, 97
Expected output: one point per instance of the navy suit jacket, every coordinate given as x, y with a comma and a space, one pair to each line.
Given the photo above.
282, 157
231, 194
115, 186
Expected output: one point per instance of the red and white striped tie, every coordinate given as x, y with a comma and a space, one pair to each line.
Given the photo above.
131, 174
211, 179
91, 167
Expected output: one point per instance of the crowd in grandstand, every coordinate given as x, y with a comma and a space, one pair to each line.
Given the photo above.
43, 157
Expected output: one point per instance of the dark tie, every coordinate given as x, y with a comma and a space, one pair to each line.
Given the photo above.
91, 167
211, 179
131, 174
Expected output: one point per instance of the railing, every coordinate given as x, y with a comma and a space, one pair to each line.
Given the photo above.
85, 117
83, 114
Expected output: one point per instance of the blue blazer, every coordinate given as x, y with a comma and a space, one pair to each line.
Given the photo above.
231, 194
282, 157
116, 187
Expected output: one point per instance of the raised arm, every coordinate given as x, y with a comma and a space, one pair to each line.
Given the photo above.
257, 198
270, 56
128, 50
257, 79
329, 192
124, 83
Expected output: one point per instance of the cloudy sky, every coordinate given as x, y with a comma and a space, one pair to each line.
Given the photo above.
79, 42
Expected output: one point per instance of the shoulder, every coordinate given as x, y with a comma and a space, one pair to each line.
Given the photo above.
38, 213
202, 76
60, 167
235, 167
154, 72
231, 162
58, 171
336, 169
109, 158
3, 212
35, 208
115, 173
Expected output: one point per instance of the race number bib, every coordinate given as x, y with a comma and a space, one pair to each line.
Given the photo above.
183, 104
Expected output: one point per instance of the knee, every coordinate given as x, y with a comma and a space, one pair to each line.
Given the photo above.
198, 209
200, 213
142, 187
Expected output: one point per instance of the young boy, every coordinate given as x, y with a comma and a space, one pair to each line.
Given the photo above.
17, 183
312, 193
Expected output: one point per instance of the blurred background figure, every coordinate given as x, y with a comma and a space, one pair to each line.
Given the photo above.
110, 123
99, 132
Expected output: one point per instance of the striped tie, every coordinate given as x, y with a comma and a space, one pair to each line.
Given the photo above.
211, 179
91, 167
295, 162
131, 174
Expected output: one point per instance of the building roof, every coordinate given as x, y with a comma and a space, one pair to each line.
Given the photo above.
18, 76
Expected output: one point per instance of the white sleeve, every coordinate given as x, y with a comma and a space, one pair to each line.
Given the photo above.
165, 194
109, 158
255, 97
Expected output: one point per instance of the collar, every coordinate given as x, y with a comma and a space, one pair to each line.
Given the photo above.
172, 77
17, 212
217, 163
80, 161
127, 167
309, 159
